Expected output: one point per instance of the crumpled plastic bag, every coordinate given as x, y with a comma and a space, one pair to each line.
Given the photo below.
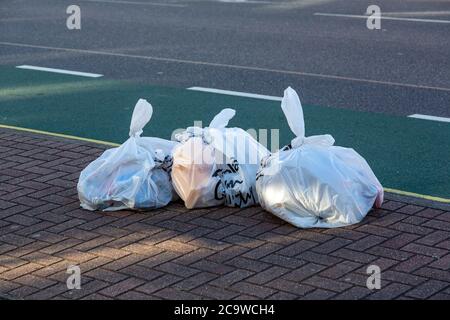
135, 175
216, 165
312, 183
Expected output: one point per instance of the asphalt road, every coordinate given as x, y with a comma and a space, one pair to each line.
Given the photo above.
254, 46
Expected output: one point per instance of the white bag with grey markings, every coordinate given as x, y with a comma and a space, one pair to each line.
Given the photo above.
312, 183
135, 175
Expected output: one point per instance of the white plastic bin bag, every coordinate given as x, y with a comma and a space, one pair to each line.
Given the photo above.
135, 175
217, 165
312, 183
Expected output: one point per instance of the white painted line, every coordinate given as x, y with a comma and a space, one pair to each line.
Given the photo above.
381, 17
159, 4
75, 73
223, 65
426, 117
236, 93
417, 13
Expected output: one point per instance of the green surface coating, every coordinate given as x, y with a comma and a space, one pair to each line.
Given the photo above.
407, 154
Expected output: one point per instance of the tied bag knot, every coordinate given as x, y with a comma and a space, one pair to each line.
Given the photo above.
220, 121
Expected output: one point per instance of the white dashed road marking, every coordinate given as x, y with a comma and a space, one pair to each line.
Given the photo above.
236, 93
75, 73
427, 117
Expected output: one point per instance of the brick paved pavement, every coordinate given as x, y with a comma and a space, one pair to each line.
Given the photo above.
219, 253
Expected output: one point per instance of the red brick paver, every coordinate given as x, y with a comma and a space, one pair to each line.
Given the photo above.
216, 253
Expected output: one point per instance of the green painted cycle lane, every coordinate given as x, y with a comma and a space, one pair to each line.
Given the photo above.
408, 154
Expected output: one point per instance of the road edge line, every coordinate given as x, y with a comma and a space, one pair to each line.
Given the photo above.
66, 136
235, 93
60, 71
417, 195
59, 135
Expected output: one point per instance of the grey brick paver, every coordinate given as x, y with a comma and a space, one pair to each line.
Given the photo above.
212, 253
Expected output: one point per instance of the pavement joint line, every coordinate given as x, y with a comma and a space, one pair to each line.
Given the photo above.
428, 117
63, 71
71, 137
224, 65
158, 4
339, 15
417, 195
236, 93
